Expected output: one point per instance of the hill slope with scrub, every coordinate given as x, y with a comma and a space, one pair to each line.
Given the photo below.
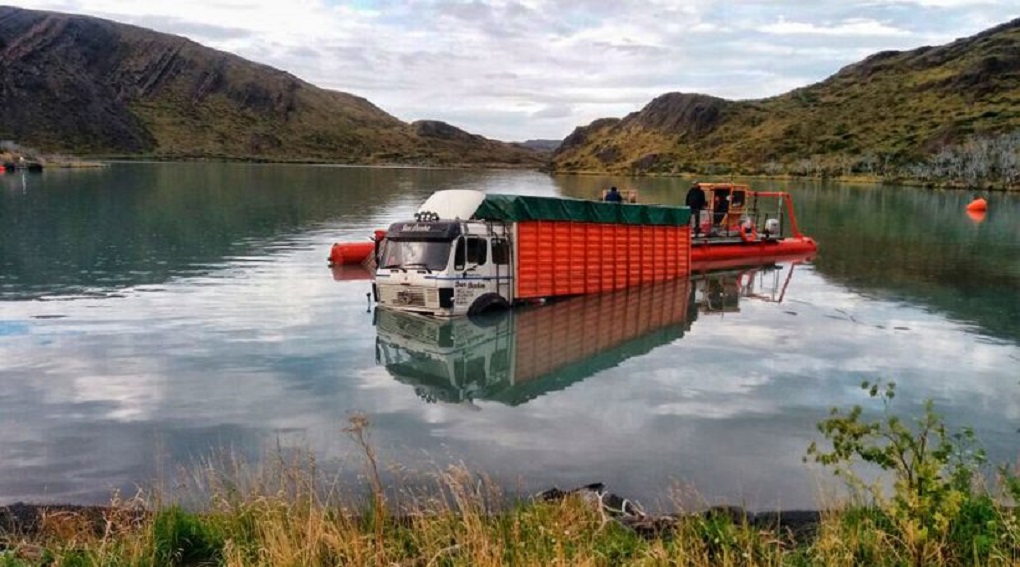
884, 115
89, 86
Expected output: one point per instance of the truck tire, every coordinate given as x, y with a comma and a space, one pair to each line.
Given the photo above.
488, 303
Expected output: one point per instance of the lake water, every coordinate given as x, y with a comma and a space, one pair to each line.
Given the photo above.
151, 314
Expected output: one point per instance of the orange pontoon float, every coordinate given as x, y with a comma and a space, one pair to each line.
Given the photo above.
349, 253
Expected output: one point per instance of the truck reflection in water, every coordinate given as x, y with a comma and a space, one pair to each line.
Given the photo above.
515, 356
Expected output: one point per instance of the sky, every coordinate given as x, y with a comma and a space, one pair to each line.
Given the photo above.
515, 70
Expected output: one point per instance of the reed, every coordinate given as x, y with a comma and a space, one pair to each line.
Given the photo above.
287, 511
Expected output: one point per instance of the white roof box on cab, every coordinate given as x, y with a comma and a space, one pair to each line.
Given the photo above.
453, 204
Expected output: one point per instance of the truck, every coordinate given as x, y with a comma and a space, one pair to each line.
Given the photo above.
467, 252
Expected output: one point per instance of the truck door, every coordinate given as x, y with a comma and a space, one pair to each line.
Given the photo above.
501, 266
474, 271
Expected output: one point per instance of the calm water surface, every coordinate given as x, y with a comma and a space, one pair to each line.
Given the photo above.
151, 314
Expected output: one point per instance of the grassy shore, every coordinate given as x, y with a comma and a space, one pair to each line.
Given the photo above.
466, 523
938, 511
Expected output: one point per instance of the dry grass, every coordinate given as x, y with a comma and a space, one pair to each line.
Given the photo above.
289, 512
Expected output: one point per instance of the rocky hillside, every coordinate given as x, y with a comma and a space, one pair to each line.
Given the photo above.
893, 107
540, 145
93, 87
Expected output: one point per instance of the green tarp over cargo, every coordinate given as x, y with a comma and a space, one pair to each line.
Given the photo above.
528, 208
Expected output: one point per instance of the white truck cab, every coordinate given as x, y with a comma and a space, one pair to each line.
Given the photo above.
443, 264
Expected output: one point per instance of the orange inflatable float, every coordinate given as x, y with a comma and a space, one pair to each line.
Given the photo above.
977, 205
354, 252
350, 252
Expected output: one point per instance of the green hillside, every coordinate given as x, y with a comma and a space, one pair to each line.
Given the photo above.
93, 87
884, 116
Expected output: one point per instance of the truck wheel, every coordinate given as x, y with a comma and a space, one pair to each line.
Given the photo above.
488, 303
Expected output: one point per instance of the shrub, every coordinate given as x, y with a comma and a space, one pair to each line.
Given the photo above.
933, 471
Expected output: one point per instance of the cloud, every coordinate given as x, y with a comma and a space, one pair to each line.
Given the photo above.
553, 111
495, 65
855, 27
198, 31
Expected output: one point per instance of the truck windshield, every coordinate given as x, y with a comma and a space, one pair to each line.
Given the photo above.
428, 254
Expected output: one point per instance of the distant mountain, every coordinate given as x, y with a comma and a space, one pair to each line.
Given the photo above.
891, 108
540, 145
89, 86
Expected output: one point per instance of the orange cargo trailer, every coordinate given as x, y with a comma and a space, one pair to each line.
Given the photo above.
556, 258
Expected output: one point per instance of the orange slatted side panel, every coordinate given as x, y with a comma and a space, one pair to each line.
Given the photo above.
593, 257
622, 257
578, 257
664, 262
684, 251
549, 256
609, 257
528, 246
660, 260
563, 258
650, 254
673, 268
647, 253
635, 264
560, 268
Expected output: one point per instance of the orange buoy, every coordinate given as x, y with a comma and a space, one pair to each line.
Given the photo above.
350, 252
978, 204
336, 254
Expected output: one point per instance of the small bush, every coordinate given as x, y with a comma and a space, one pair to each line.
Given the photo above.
933, 472
180, 538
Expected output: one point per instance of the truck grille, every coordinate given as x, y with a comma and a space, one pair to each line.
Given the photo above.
408, 296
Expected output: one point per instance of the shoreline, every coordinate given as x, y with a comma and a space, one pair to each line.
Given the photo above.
26, 520
100, 161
